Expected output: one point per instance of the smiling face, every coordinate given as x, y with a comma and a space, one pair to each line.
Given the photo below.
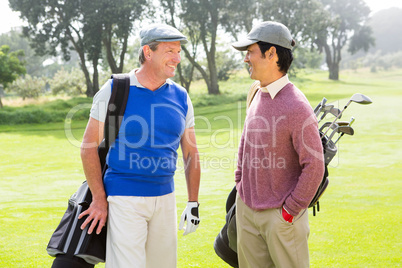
256, 62
165, 58
264, 69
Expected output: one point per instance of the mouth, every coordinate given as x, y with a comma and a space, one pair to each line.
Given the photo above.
172, 66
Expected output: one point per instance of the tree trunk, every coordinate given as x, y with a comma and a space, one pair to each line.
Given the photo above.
107, 42
334, 71
332, 63
183, 80
1, 103
196, 65
90, 90
95, 77
213, 87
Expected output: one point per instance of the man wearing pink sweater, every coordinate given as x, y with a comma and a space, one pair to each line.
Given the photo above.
281, 161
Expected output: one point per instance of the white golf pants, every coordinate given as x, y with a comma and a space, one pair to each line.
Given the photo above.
142, 232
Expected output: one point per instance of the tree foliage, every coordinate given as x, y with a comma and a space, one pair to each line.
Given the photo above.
201, 20
84, 26
15, 40
11, 66
28, 86
347, 23
387, 30
70, 83
305, 19
98, 31
36, 65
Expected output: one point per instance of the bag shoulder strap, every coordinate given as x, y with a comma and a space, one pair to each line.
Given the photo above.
116, 107
252, 91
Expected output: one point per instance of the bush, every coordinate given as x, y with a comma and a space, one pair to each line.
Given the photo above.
71, 83
55, 111
28, 86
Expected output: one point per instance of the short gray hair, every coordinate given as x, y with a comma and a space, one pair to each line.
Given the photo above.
153, 46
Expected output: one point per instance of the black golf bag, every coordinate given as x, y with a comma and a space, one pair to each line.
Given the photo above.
73, 247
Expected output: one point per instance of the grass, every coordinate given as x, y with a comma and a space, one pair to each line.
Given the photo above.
359, 221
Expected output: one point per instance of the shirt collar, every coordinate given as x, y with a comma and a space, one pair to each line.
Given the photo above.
134, 80
274, 88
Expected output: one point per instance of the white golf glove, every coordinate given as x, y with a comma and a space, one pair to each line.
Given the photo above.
190, 214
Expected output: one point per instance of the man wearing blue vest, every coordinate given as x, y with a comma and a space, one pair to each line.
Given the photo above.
136, 195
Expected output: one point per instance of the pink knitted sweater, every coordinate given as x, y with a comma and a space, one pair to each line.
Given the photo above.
281, 159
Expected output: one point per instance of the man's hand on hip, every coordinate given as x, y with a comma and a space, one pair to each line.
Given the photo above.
190, 214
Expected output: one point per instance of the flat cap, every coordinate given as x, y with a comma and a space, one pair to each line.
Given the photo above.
268, 31
161, 33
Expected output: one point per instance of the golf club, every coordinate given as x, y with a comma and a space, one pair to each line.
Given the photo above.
344, 123
318, 109
328, 124
352, 120
358, 98
329, 109
341, 129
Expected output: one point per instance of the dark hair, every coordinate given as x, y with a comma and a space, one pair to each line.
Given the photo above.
285, 55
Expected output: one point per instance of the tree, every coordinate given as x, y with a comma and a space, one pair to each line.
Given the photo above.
347, 23
185, 70
303, 18
53, 26
71, 83
387, 30
201, 20
118, 22
15, 40
35, 65
10, 66
28, 86
56, 26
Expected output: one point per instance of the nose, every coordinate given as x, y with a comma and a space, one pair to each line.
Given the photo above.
177, 58
246, 58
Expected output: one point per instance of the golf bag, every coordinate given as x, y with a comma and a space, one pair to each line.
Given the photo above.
72, 246
225, 243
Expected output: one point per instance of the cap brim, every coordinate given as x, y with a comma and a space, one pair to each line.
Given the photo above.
243, 45
182, 40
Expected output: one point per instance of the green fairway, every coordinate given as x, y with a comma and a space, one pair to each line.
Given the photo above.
360, 218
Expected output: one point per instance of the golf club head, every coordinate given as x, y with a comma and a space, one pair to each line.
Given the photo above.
360, 98
329, 109
346, 130
341, 129
328, 124
325, 109
342, 123
335, 112
318, 108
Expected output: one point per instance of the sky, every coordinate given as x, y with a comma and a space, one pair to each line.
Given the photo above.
9, 19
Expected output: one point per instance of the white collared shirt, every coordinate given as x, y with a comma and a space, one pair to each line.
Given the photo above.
276, 86
134, 80
101, 99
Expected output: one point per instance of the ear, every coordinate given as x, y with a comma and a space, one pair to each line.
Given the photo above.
270, 53
147, 51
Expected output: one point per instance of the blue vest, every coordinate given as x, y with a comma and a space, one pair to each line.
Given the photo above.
142, 161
